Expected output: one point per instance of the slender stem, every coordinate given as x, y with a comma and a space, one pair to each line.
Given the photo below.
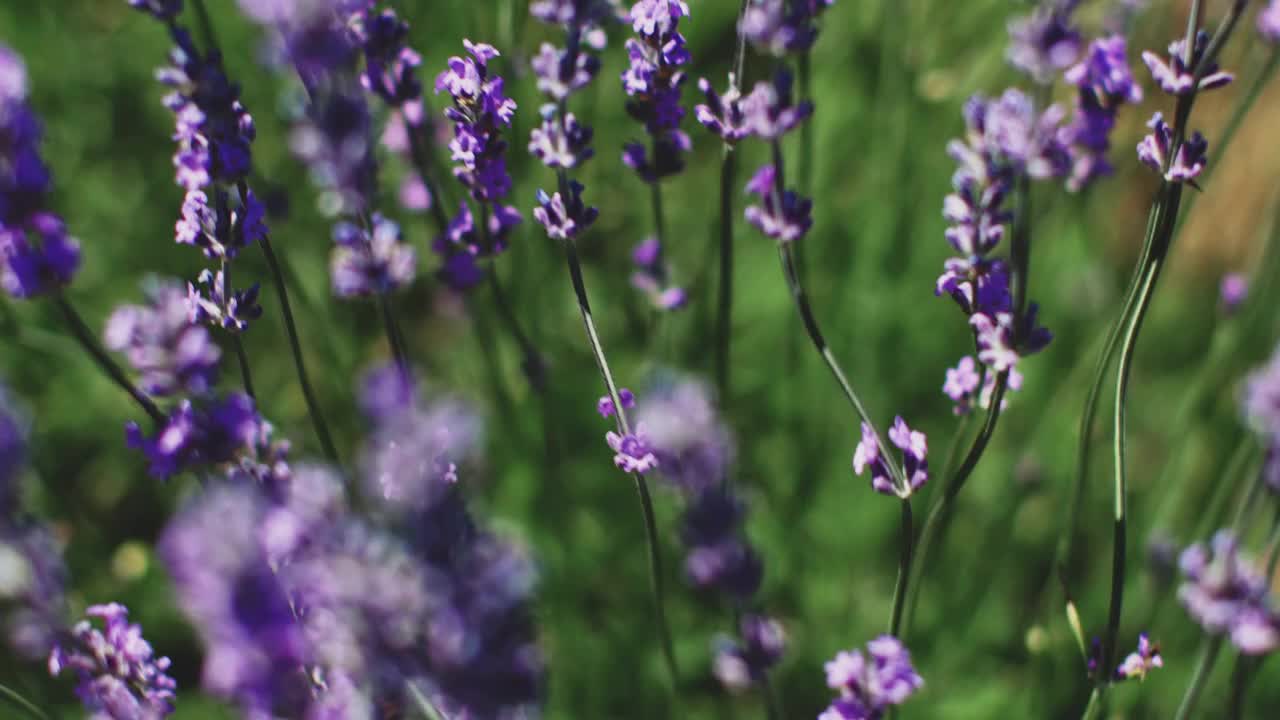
904, 569
1241, 674
81, 332
659, 217
1094, 707
238, 343
295, 346
1204, 668
206, 27
425, 706
642, 488
724, 322
394, 337
772, 707
15, 698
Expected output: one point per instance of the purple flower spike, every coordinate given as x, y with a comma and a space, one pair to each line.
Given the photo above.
212, 433
869, 684
390, 64
561, 146
210, 305
653, 81
368, 263
723, 114
786, 223
741, 664
1002, 341
39, 258
564, 220
719, 558
119, 675
780, 27
604, 405
172, 354
1178, 78
1269, 22
1105, 82
694, 447
1142, 661
914, 447
769, 111
632, 453
556, 78
1044, 43
480, 111
1226, 593
1154, 150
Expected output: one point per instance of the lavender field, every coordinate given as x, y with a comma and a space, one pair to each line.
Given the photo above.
514, 359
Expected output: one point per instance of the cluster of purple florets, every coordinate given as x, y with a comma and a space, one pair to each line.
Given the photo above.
653, 81
1227, 594
119, 675
871, 683
1184, 162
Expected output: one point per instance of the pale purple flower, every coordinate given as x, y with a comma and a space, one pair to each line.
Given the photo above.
720, 557
370, 262
564, 219
1269, 22
962, 386
480, 111
560, 75
413, 456
172, 354
119, 675
869, 456
390, 64
604, 405
1178, 78
1154, 151
209, 303
1044, 42
208, 432
783, 215
1225, 593
1003, 340
684, 430
723, 114
632, 452
741, 663
869, 684
33, 581
1233, 291
335, 141
769, 111
559, 144
1105, 83
1142, 661
781, 27
652, 277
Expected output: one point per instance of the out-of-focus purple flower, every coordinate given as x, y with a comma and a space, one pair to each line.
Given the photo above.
741, 663
1105, 83
914, 446
779, 27
1154, 151
1024, 138
373, 262
463, 235
13, 453
962, 386
870, 684
561, 145
209, 303
412, 458
769, 109
1142, 661
564, 219
334, 140
385, 392
1269, 22
119, 675
215, 551
1176, 77
632, 452
390, 64
1003, 340
587, 18
1225, 593
719, 556
653, 81
560, 75
32, 584
480, 110
785, 221
1045, 42
651, 277
723, 114
692, 443
1261, 408
210, 432
1233, 291
37, 256
605, 407
172, 354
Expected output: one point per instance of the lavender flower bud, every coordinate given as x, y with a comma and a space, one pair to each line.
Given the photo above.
1140, 662
210, 304
719, 556
723, 114
780, 27
605, 407
1044, 43
560, 73
119, 675
783, 215
1178, 78
564, 219
693, 445
370, 262
743, 663
914, 448
558, 146
211, 431
653, 80
1105, 82
480, 111
962, 386
1154, 151
651, 277
870, 684
172, 354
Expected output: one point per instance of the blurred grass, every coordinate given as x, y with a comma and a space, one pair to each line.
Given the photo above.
889, 79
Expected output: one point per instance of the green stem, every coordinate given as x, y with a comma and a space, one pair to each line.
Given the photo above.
728, 170
659, 217
81, 332
1094, 708
394, 338
642, 488
13, 697
772, 707
206, 26
1200, 678
904, 569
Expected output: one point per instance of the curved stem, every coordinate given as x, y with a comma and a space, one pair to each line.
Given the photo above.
13, 697
1204, 668
904, 569
1094, 707
243, 358
81, 332
728, 170
642, 488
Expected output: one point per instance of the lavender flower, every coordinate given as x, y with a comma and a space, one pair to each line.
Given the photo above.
743, 663
605, 407
209, 302
780, 27
172, 354
1225, 593
1140, 662
334, 141
119, 675
560, 72
219, 231
33, 581
784, 216
723, 114
651, 277
914, 447
1043, 43
1003, 340
564, 219
1105, 82
37, 255
390, 70
585, 18
632, 452
1269, 22
1178, 78
1183, 167
653, 81
480, 111
770, 111
370, 262
719, 556
962, 386
693, 446
1233, 291
209, 431
412, 458
561, 145
870, 684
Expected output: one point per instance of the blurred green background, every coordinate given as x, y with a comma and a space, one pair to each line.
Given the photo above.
889, 78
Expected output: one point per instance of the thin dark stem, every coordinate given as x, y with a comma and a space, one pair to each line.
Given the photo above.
394, 338
724, 320
1204, 668
238, 343
295, 346
1241, 674
904, 569
772, 707
81, 332
659, 217
13, 697
642, 488
206, 27
740, 55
